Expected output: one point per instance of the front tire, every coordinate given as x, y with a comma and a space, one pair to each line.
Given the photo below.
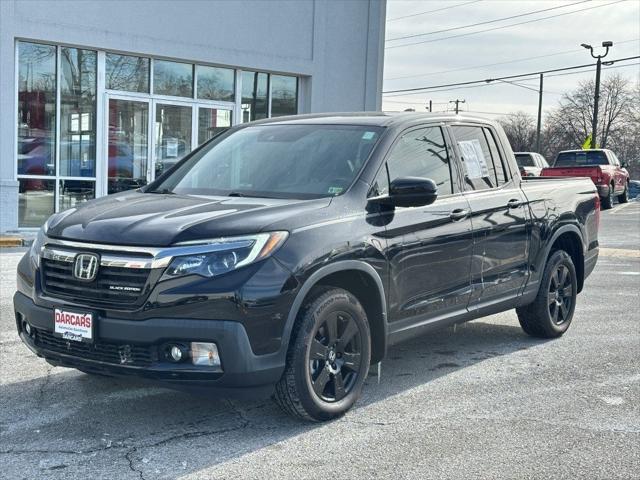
551, 313
624, 196
328, 358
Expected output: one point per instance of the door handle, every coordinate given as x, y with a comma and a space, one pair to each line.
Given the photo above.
458, 214
514, 203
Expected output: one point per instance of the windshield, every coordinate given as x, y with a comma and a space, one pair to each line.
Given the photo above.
580, 159
279, 161
525, 160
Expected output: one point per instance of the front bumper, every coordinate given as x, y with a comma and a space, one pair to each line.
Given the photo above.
241, 367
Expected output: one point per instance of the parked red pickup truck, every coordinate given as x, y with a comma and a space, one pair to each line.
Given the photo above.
601, 165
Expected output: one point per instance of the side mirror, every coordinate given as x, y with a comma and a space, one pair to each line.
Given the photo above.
409, 192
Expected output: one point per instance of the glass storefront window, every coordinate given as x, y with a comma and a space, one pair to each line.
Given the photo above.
126, 72
215, 83
36, 109
143, 133
284, 95
172, 78
77, 112
127, 150
74, 192
36, 201
212, 121
255, 105
173, 135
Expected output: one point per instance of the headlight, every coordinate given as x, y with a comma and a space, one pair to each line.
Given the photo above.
216, 257
36, 246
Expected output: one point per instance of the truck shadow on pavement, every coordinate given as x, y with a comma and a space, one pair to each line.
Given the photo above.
71, 423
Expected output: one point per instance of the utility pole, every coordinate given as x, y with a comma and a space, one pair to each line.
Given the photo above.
596, 97
539, 128
430, 106
457, 102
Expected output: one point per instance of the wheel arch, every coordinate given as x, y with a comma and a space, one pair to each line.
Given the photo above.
360, 279
569, 239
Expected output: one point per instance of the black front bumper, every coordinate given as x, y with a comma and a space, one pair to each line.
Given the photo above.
241, 367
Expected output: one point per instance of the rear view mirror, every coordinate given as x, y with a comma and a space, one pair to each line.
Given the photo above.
409, 192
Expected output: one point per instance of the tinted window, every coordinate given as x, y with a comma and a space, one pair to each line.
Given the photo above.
254, 96
284, 95
419, 153
480, 172
501, 173
280, 161
525, 160
36, 113
216, 83
124, 72
581, 159
172, 78
77, 112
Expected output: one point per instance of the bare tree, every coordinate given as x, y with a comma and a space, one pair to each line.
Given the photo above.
570, 123
520, 128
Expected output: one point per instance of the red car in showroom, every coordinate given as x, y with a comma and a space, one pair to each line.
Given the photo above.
601, 165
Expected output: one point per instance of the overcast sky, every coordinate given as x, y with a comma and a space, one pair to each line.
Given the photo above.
461, 59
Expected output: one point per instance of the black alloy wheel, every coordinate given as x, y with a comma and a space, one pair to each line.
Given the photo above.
328, 357
551, 313
560, 295
335, 357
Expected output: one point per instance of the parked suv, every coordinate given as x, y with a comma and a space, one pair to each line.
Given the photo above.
530, 163
289, 254
601, 166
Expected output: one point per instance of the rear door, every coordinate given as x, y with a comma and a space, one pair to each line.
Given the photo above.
498, 215
429, 247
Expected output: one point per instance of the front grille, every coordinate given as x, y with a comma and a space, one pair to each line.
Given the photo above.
118, 354
112, 285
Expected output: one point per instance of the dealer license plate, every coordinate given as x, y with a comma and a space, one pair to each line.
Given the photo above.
73, 325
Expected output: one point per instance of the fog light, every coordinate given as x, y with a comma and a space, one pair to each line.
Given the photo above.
27, 328
205, 354
176, 353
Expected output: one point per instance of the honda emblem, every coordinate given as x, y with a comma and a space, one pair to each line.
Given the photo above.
86, 267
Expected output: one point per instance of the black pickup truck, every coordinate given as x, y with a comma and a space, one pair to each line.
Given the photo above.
291, 253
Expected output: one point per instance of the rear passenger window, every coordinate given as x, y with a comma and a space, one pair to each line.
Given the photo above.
417, 153
502, 174
480, 171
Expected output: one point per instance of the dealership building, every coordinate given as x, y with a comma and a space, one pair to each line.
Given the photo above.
98, 96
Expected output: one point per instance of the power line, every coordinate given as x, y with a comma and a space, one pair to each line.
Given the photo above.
486, 22
507, 77
432, 11
418, 101
504, 26
500, 63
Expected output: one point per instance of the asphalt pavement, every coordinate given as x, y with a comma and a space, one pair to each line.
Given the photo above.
480, 401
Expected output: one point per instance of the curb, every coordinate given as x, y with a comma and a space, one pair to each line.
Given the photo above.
12, 242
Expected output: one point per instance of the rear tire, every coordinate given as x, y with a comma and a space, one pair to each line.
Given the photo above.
624, 196
551, 313
328, 358
607, 202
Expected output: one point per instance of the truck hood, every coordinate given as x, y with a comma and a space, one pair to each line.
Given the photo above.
158, 220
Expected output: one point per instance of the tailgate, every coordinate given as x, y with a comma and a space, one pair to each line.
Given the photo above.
593, 173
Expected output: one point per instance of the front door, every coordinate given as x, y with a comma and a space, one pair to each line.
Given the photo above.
498, 209
428, 248
146, 137
128, 158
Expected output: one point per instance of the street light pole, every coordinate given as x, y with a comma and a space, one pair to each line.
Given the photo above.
539, 127
596, 97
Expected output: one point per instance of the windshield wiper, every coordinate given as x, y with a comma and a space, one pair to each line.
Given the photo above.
164, 191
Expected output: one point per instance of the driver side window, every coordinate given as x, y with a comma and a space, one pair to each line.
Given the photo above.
417, 153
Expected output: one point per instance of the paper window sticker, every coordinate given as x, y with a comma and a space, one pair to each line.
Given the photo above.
470, 159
